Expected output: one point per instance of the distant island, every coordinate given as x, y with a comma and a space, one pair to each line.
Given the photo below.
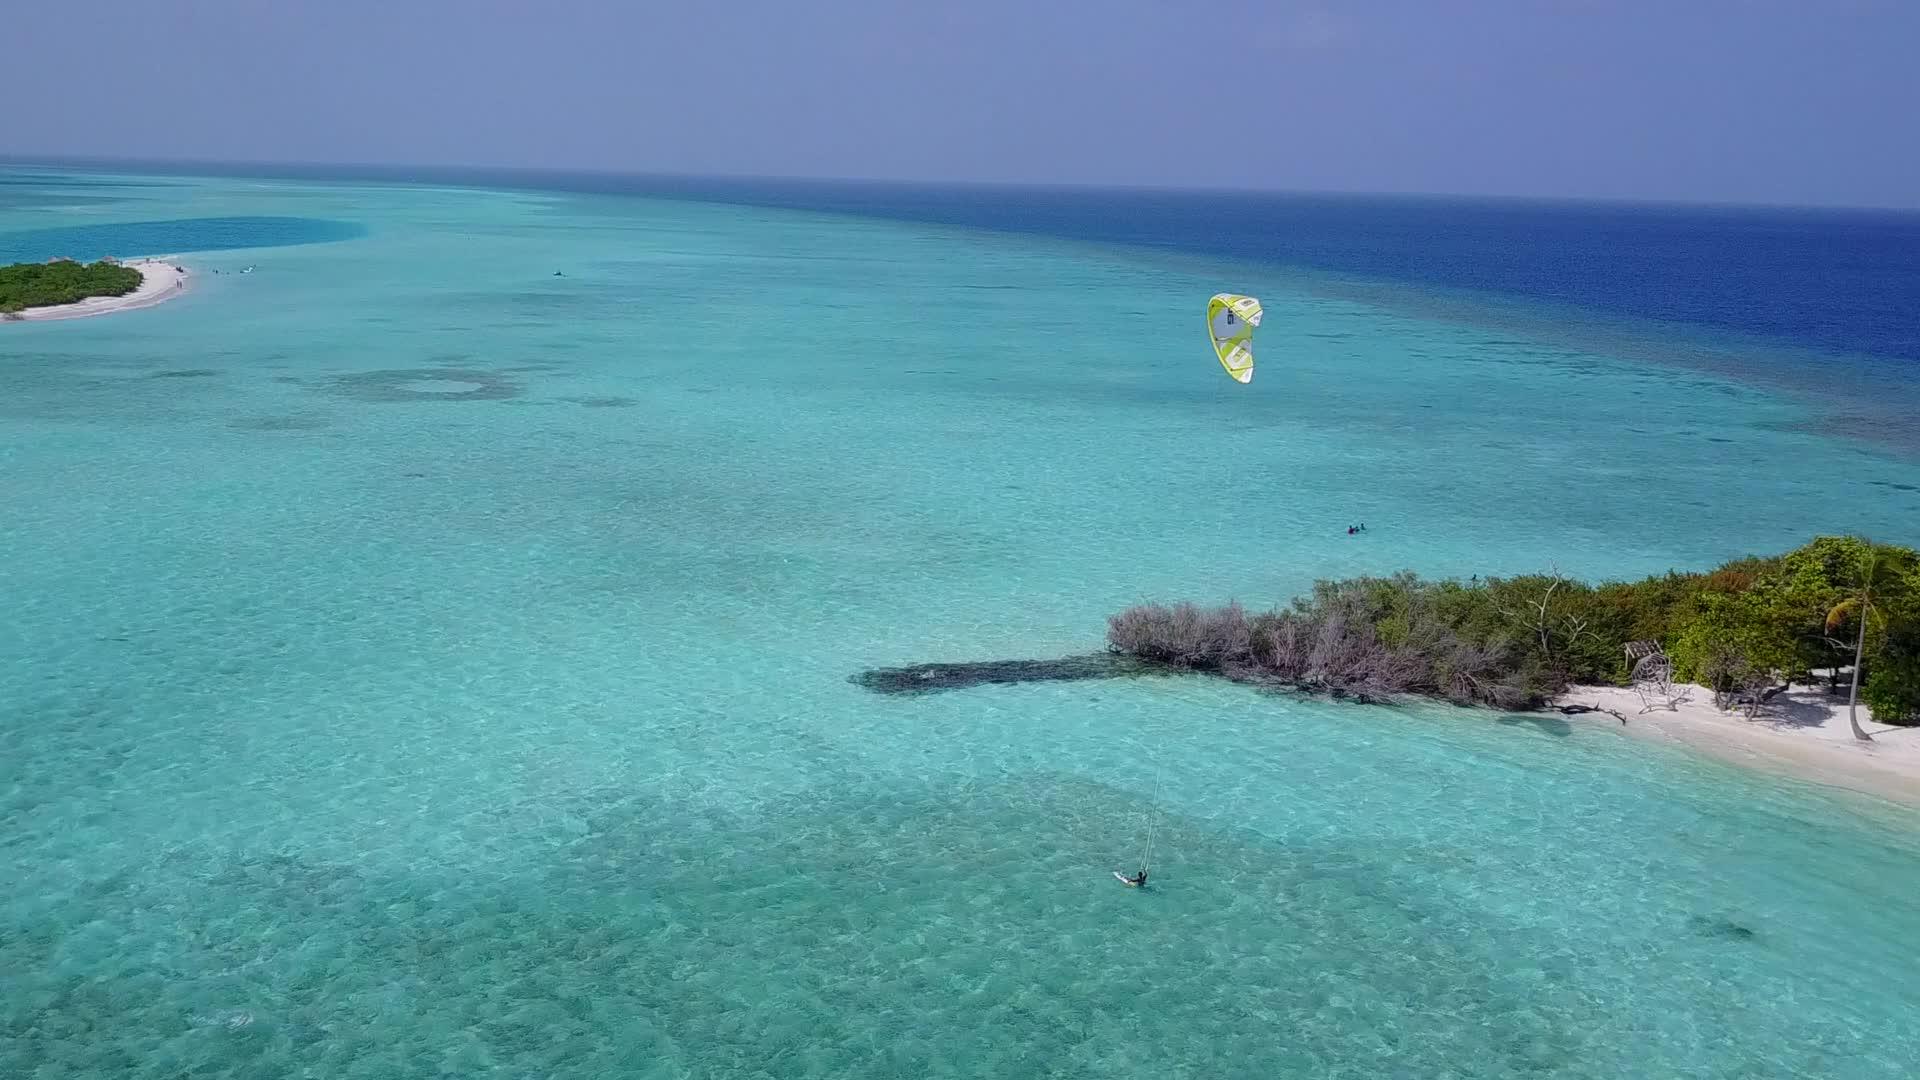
66, 288
62, 281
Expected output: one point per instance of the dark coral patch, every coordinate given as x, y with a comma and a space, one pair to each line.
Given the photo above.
426, 384
1721, 927
280, 423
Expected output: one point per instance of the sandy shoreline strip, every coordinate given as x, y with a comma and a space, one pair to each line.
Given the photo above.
161, 279
1802, 733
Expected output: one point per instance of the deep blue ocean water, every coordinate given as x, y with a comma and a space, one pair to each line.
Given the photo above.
416, 663
1832, 279
1839, 280
1816, 302
1823, 303
88, 242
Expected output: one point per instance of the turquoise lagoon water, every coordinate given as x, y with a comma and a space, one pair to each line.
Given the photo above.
417, 664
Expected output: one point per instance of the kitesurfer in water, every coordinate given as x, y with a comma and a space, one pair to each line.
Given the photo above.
1138, 879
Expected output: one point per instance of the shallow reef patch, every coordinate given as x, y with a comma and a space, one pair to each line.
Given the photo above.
425, 384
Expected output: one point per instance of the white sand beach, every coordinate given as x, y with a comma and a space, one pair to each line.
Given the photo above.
161, 279
1803, 732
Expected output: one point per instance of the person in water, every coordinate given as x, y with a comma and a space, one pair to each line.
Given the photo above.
1139, 878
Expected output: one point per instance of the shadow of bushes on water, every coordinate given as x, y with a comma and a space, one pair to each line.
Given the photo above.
931, 678
1550, 725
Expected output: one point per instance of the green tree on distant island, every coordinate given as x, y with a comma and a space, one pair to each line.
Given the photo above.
62, 281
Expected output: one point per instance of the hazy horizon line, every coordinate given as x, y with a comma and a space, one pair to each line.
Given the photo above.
238, 168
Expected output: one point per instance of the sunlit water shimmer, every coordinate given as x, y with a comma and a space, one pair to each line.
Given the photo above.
414, 663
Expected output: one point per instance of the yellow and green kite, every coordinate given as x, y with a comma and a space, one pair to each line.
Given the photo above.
1230, 321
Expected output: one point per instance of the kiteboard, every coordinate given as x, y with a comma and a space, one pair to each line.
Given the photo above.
1125, 880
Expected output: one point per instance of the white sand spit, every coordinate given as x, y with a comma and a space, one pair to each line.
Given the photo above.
161, 279
1802, 732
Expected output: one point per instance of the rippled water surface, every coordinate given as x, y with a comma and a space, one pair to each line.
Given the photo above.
416, 663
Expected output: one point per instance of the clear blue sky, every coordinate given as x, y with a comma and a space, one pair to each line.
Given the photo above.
1799, 101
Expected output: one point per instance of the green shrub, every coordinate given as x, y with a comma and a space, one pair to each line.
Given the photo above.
1514, 642
63, 281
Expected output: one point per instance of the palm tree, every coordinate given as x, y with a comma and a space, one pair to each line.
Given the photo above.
1865, 606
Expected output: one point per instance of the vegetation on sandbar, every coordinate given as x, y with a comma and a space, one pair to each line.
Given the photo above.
62, 281
1742, 630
